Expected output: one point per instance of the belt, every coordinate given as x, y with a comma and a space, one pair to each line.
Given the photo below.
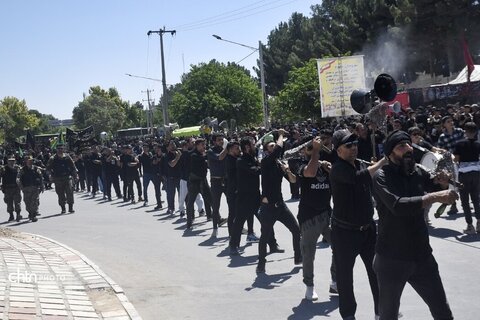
349, 226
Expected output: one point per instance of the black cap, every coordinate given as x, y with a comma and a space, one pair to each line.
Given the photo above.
341, 137
393, 139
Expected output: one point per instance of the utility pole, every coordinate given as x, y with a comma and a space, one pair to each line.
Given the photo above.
266, 115
164, 80
149, 111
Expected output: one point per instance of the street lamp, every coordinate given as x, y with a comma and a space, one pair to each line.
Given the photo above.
266, 121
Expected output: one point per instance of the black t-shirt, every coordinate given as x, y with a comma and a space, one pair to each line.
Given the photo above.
468, 150
231, 173
176, 171
126, 159
146, 161
315, 191
272, 176
351, 192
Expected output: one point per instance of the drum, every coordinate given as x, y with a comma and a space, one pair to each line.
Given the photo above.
430, 160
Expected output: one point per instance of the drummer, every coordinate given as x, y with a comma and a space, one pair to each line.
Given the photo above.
420, 145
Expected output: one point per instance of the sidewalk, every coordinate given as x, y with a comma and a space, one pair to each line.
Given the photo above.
44, 280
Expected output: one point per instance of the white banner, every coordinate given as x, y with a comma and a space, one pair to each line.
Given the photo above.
338, 78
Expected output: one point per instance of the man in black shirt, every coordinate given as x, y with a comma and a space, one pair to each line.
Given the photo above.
130, 164
313, 211
216, 163
13, 197
145, 160
111, 165
248, 193
273, 208
96, 169
403, 253
233, 152
197, 183
353, 228
467, 154
173, 174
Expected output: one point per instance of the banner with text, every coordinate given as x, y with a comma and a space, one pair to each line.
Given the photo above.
338, 78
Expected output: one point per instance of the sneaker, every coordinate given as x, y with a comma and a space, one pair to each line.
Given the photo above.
222, 221
11, 218
214, 233
140, 199
310, 294
470, 229
298, 260
201, 213
182, 213
19, 217
252, 237
158, 207
277, 249
234, 251
333, 287
63, 209
145, 203
133, 201
169, 211
209, 218
34, 219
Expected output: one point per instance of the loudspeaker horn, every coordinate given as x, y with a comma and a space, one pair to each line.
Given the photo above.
385, 88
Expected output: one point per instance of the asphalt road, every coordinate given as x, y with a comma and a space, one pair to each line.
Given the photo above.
168, 273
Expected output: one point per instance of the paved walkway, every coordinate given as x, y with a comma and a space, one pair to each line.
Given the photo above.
42, 279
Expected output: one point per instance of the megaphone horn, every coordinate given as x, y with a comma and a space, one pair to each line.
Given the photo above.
385, 87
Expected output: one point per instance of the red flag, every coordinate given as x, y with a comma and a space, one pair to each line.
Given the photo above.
468, 59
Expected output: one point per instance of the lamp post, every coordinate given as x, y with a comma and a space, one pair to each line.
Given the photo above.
266, 121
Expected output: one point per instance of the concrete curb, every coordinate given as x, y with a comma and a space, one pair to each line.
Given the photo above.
132, 312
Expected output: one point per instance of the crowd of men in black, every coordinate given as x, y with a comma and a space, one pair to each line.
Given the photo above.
352, 160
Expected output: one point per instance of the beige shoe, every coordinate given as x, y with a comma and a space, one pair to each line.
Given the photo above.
310, 294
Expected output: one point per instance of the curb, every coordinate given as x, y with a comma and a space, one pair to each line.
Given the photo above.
119, 292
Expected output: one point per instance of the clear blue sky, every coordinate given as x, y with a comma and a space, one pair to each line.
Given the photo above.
54, 51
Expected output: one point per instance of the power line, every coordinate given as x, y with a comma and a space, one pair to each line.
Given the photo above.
230, 18
218, 15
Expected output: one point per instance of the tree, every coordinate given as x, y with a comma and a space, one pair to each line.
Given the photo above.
299, 98
102, 109
224, 91
15, 118
44, 122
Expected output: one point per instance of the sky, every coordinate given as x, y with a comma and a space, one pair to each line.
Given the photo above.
53, 51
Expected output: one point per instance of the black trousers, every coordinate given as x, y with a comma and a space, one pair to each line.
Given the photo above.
423, 276
231, 202
268, 215
196, 186
111, 179
470, 190
246, 207
217, 188
346, 246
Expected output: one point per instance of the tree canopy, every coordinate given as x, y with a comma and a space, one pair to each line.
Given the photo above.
396, 36
15, 119
224, 91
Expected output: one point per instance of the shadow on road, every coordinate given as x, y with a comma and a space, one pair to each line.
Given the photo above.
443, 233
242, 261
214, 242
271, 281
309, 310
467, 238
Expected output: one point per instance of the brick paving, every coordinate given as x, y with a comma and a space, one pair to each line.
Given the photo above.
43, 280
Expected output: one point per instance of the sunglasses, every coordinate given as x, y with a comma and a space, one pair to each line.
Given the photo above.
348, 145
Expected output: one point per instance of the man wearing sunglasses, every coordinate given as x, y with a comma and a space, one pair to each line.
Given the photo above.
353, 229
